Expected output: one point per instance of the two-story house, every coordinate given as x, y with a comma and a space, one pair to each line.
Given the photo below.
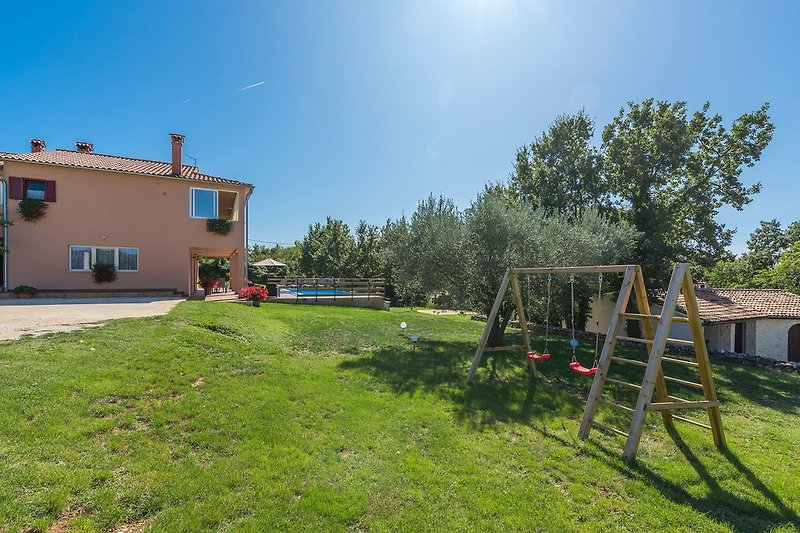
147, 218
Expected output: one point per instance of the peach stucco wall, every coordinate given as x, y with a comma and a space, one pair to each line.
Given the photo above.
97, 208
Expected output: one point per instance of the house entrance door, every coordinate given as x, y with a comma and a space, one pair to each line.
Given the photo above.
738, 337
794, 343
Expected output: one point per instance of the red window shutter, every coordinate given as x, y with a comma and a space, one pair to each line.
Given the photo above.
15, 187
49, 191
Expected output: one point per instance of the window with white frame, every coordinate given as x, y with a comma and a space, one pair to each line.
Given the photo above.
211, 203
128, 259
81, 258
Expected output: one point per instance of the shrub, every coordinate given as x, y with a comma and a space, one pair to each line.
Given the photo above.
255, 292
25, 289
219, 226
104, 273
31, 210
209, 283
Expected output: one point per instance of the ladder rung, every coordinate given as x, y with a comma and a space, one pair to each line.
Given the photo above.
628, 361
616, 406
634, 339
680, 361
639, 316
666, 406
604, 427
682, 419
684, 382
623, 383
680, 342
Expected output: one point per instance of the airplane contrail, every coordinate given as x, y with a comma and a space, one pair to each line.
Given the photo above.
186, 101
251, 86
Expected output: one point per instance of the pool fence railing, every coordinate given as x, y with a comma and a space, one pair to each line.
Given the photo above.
329, 288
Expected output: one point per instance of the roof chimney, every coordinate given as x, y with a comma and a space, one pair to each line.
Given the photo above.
37, 145
84, 148
177, 152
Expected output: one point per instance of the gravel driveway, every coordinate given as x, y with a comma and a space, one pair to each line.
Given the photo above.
45, 315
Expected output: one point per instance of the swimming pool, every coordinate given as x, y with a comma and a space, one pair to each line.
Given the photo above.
315, 292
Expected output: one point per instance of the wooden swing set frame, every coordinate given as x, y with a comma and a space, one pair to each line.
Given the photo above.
656, 339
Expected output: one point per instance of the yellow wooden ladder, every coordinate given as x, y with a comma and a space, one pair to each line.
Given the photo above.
654, 379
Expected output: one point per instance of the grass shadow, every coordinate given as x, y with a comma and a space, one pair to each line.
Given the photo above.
503, 392
440, 368
738, 513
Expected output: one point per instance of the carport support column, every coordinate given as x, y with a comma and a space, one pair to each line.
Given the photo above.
237, 271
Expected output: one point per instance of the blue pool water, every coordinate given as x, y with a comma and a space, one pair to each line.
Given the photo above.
317, 292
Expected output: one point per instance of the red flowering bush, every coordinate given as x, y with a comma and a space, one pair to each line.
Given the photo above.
256, 291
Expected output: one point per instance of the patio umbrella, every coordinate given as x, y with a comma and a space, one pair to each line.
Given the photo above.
268, 263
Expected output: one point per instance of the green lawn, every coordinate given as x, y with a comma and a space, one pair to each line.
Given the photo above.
227, 417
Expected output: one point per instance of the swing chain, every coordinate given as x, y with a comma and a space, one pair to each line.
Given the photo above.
572, 313
547, 315
597, 323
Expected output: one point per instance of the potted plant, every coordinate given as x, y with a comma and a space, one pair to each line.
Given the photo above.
209, 284
220, 226
104, 273
31, 210
255, 294
212, 273
24, 291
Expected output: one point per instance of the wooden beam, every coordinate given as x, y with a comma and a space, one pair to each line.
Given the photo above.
649, 341
643, 305
501, 294
701, 354
656, 318
503, 348
616, 406
574, 270
683, 362
623, 383
660, 406
604, 427
523, 322
628, 361
690, 421
654, 361
684, 382
614, 328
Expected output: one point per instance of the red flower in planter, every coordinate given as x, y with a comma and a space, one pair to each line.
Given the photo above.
254, 292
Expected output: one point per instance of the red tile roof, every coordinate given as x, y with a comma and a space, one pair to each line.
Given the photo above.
115, 163
732, 305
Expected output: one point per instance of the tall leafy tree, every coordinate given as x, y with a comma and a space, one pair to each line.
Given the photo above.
328, 250
671, 172
367, 254
786, 274
403, 280
560, 171
765, 245
436, 248
465, 255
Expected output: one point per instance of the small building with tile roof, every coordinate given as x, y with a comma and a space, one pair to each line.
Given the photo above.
149, 219
764, 322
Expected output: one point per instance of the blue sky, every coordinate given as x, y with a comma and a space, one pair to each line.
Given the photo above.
367, 107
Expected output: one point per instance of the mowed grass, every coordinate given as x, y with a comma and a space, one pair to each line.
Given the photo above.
226, 417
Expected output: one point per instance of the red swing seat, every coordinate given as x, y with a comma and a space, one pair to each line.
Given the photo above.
578, 368
539, 357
